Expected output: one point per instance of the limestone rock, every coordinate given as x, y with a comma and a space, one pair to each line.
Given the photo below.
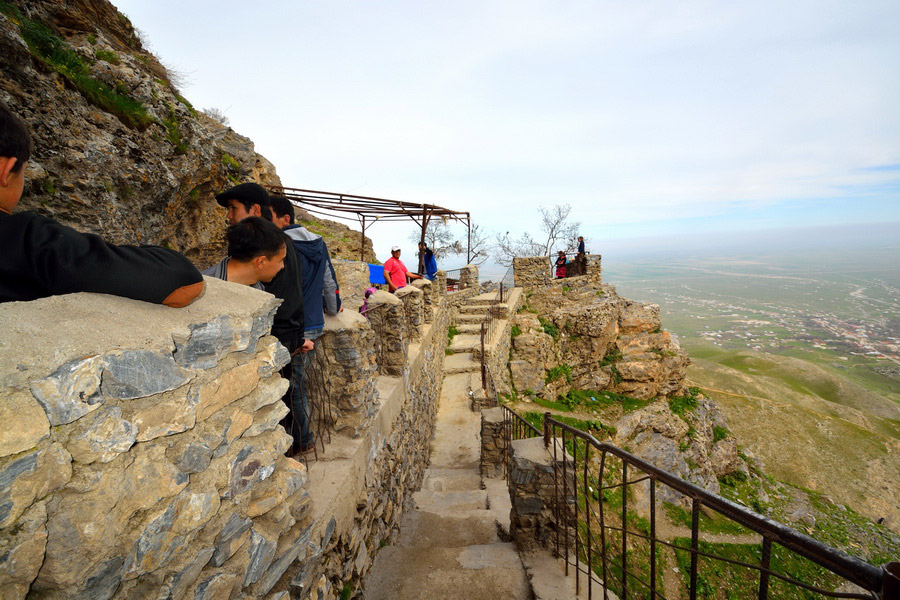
234, 534
72, 391
23, 552
31, 422
162, 415
30, 476
102, 436
140, 373
228, 387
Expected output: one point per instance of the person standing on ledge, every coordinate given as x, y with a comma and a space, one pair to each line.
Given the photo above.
44, 258
395, 272
428, 261
252, 200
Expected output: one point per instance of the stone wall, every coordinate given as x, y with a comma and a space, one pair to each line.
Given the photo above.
361, 484
468, 277
532, 490
147, 461
533, 272
141, 449
353, 280
493, 444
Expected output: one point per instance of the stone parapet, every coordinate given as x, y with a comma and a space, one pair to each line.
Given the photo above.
493, 445
468, 277
353, 279
347, 359
531, 271
361, 486
387, 316
142, 449
532, 490
439, 283
412, 298
427, 298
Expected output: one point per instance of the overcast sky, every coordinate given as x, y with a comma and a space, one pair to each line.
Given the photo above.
649, 118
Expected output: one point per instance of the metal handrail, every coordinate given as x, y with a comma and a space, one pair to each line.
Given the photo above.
859, 572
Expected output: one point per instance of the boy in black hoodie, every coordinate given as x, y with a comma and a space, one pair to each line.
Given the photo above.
44, 258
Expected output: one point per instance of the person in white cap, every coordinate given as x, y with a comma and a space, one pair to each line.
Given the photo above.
395, 272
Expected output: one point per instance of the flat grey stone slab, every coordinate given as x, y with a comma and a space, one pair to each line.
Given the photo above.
451, 480
485, 572
460, 363
444, 503
420, 529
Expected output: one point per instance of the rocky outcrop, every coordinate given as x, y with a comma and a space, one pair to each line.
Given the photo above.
118, 150
588, 337
694, 445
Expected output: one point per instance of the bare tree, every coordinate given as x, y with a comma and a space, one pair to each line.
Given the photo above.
216, 115
557, 233
480, 245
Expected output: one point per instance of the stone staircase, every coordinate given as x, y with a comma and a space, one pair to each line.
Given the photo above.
454, 543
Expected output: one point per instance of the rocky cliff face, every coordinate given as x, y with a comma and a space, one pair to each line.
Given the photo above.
587, 337
118, 150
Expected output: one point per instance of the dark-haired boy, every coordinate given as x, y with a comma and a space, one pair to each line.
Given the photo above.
44, 258
256, 250
252, 200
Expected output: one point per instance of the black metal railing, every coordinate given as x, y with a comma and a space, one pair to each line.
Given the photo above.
603, 493
507, 283
515, 427
606, 508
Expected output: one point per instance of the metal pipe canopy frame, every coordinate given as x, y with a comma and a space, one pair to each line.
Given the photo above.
332, 204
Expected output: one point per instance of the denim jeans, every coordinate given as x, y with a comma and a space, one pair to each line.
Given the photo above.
299, 404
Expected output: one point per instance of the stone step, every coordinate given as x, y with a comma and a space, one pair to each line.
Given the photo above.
482, 298
466, 343
468, 318
422, 529
451, 480
483, 572
475, 308
460, 363
468, 328
444, 503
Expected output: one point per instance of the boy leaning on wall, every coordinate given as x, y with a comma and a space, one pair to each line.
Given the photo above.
44, 258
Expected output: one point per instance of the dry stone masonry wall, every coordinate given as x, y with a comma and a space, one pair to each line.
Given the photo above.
142, 449
149, 459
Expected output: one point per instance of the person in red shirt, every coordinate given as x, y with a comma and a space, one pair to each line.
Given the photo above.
395, 272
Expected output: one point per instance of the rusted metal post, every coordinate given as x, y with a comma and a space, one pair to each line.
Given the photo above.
546, 430
469, 238
362, 240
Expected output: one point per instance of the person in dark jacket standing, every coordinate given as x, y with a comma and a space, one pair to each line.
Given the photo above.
44, 258
321, 294
252, 200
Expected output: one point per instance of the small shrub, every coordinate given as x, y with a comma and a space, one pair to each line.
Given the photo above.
452, 332
720, 433
616, 376
448, 352
516, 331
558, 372
107, 56
549, 328
45, 45
682, 404
10, 11
612, 356
173, 131
92, 39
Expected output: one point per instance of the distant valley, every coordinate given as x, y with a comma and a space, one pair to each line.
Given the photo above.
802, 350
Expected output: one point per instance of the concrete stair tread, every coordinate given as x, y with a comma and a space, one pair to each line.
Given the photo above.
423, 529
451, 480
469, 328
475, 308
466, 343
468, 318
482, 572
460, 363
449, 502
